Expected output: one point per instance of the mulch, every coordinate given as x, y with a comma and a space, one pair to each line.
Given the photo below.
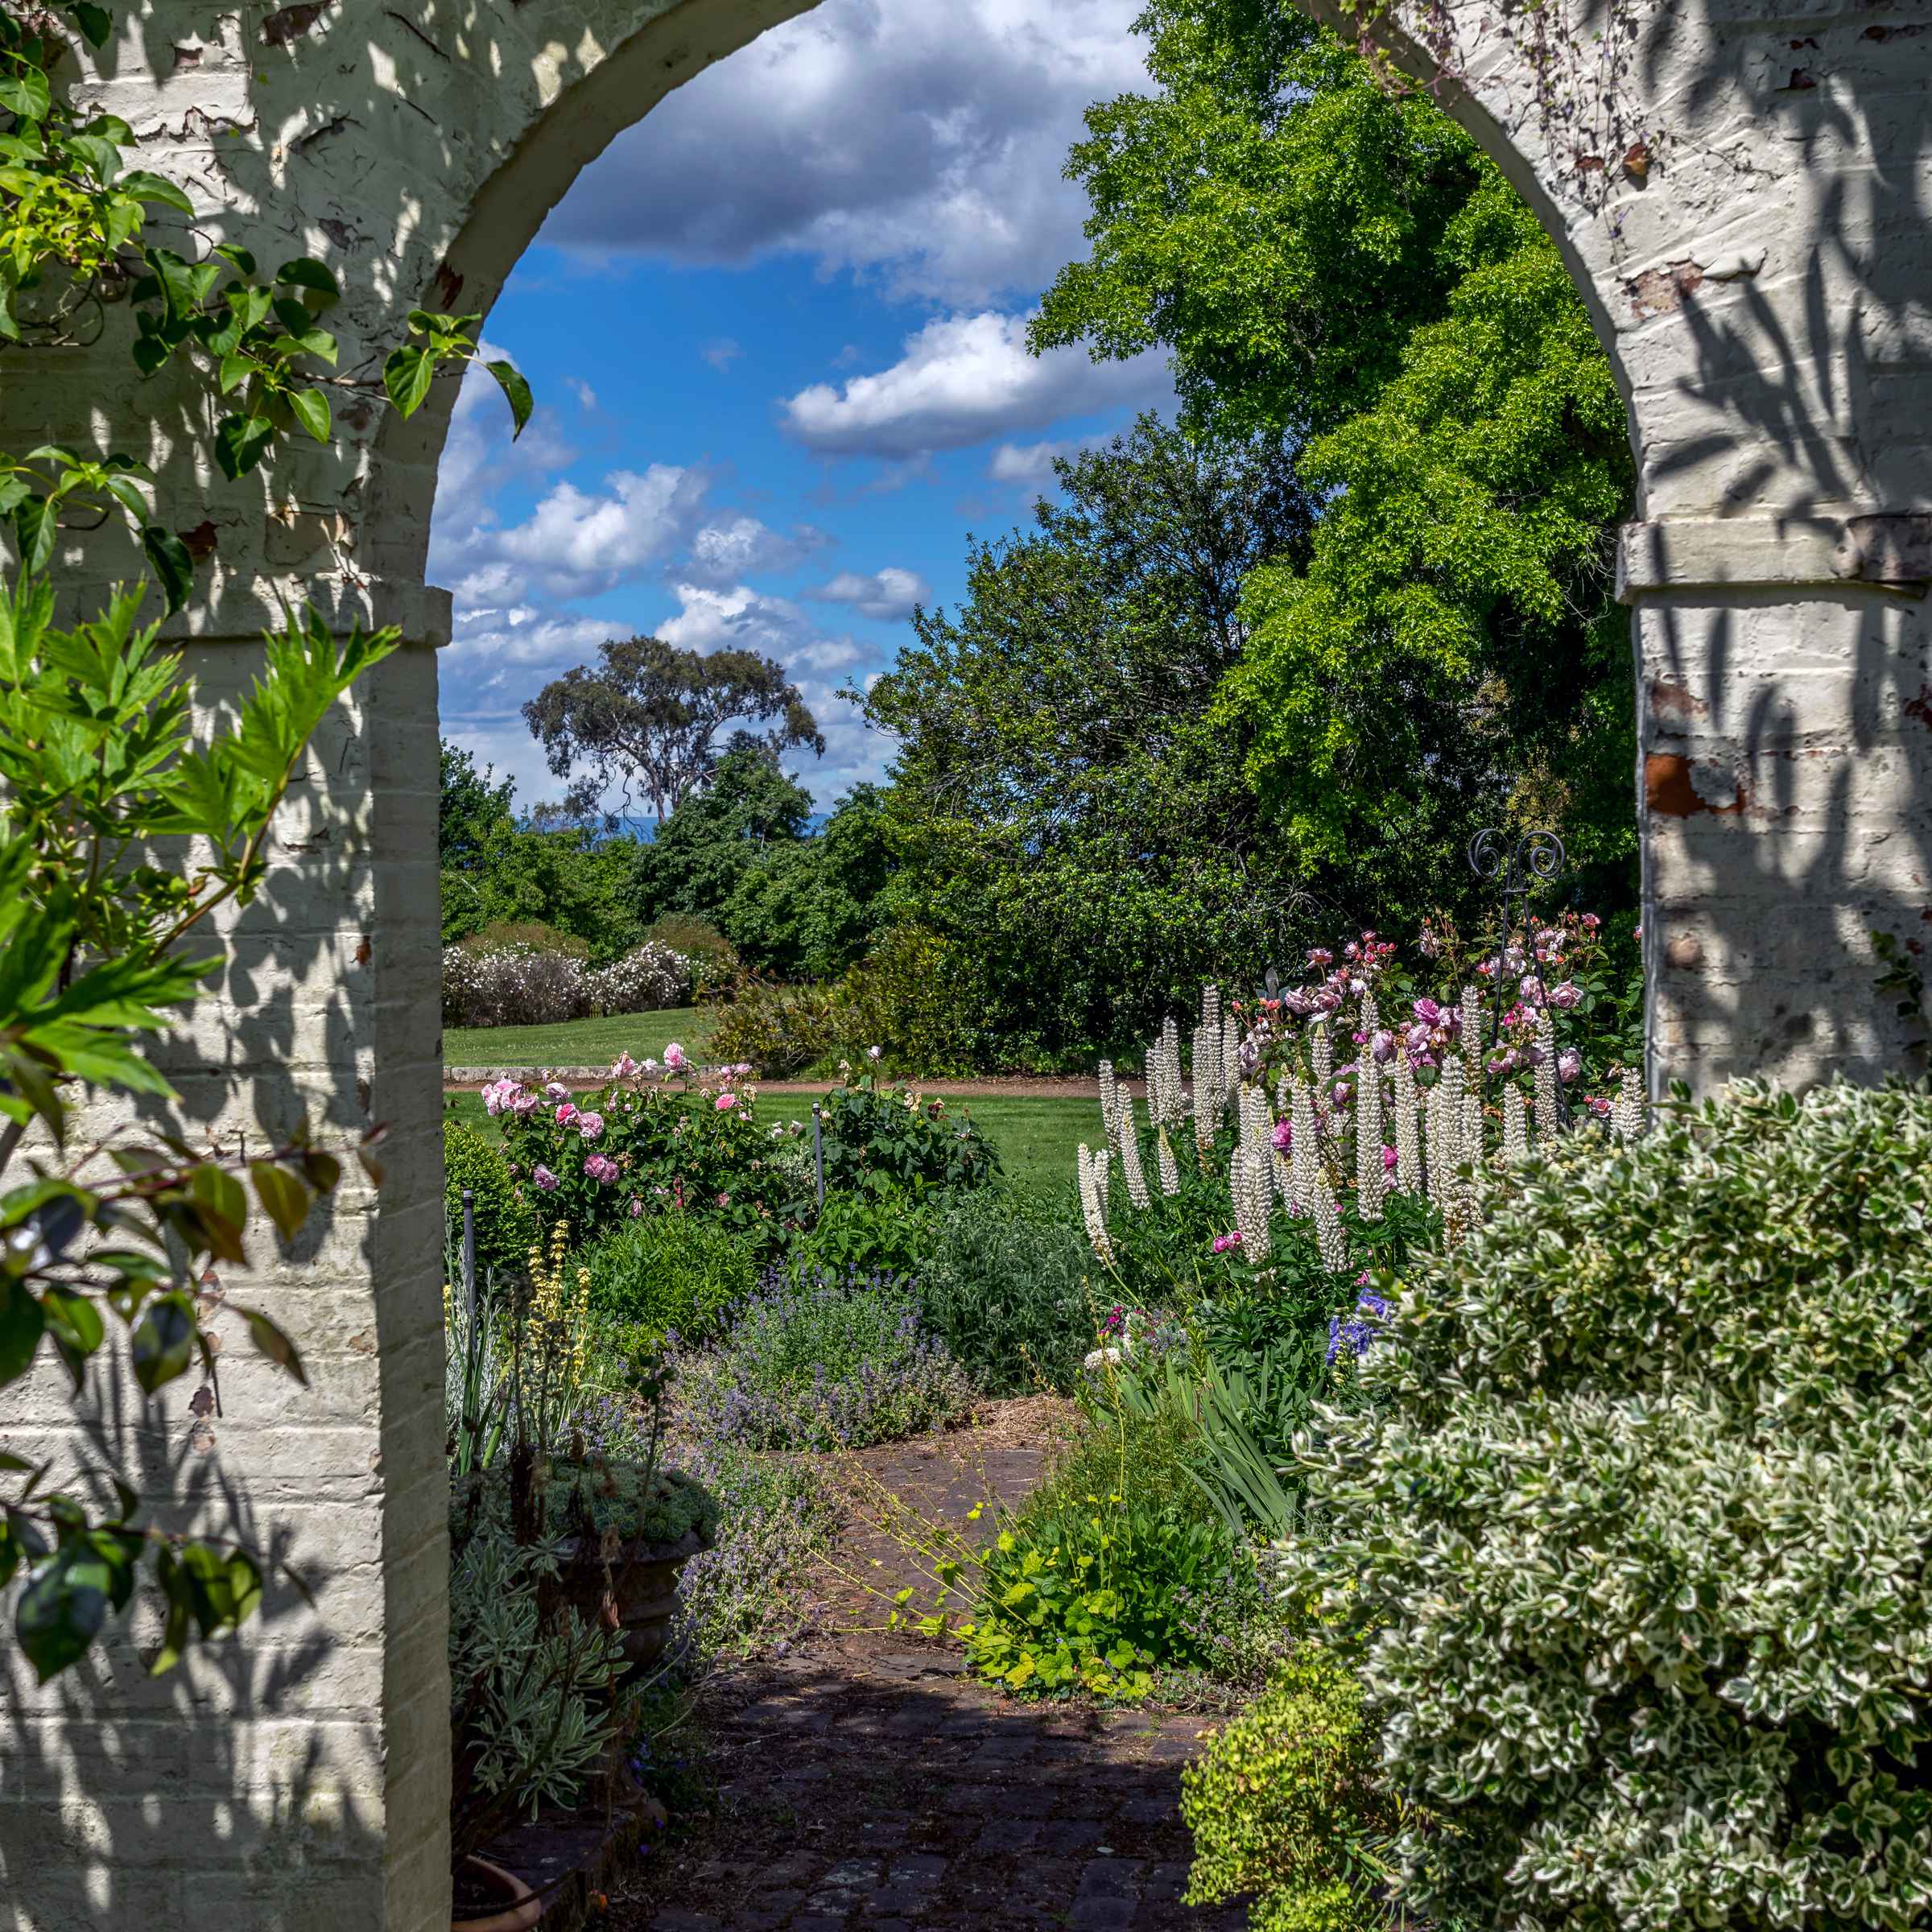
864, 1780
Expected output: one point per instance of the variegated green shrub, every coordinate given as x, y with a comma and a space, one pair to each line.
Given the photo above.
1641, 1511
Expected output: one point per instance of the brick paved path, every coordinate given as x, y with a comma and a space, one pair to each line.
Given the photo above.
866, 1782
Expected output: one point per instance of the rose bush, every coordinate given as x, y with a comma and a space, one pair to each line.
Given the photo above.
652, 1138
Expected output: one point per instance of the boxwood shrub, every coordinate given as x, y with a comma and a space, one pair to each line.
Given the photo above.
1640, 1518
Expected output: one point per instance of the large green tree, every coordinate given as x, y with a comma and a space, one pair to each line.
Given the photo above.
1338, 264
1066, 809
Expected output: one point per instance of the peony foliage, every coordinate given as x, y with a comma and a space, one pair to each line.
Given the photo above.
1639, 1513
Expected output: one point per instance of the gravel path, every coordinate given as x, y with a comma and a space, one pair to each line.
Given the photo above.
866, 1781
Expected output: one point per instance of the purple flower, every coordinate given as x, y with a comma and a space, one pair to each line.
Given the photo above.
590, 1125
1224, 1242
1566, 995
544, 1179
1283, 1136
1388, 1159
600, 1168
1569, 1063
556, 1090
1429, 1014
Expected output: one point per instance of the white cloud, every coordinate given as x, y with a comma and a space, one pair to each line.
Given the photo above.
961, 380
919, 140
575, 543
582, 390
890, 593
733, 548
722, 353
1030, 465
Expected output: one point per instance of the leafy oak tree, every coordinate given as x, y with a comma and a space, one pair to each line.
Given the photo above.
645, 718
1338, 264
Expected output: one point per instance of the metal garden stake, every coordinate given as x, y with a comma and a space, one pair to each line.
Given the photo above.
818, 1151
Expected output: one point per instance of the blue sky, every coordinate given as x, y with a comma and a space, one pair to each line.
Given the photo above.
776, 334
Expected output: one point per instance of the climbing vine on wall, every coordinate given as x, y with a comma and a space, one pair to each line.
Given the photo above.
101, 760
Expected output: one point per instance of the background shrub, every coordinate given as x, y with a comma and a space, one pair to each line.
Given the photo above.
506, 1227
910, 998
821, 1364
647, 979
1641, 1507
780, 1030
515, 988
1005, 1283
668, 1271
526, 935
713, 960
863, 1234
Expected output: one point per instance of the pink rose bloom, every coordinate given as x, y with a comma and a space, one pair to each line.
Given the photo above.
1341, 1096
1566, 995
557, 1091
1591, 921
526, 1102
590, 1125
624, 1067
600, 1170
1388, 1160
1599, 1106
726, 1101
637, 1207
1569, 1063
1283, 1136
544, 1179
724, 1200
673, 1057
1224, 1242
566, 1113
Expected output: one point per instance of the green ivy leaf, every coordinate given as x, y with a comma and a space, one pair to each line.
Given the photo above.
283, 1198
173, 566
274, 1343
146, 187
62, 1610
25, 94
240, 442
513, 385
164, 1341
95, 23
407, 375
306, 272
22, 1322
310, 408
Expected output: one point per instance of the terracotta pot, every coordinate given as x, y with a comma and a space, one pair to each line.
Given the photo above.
636, 1592
520, 1909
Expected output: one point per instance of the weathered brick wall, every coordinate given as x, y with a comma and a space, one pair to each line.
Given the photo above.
1761, 278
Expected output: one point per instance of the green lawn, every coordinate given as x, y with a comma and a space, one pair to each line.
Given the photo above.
579, 1043
1036, 1138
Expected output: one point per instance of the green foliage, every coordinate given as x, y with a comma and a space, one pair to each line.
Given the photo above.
1009, 1285
862, 1234
1334, 261
855, 865
102, 770
887, 1141
1638, 1509
1285, 1804
1067, 821
1111, 1571
780, 1031
505, 1223
529, 1703
669, 1272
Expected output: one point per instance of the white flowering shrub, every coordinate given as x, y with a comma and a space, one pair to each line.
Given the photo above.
1640, 1512
513, 987
647, 979
520, 986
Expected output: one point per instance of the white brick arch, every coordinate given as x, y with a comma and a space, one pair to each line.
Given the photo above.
1764, 289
